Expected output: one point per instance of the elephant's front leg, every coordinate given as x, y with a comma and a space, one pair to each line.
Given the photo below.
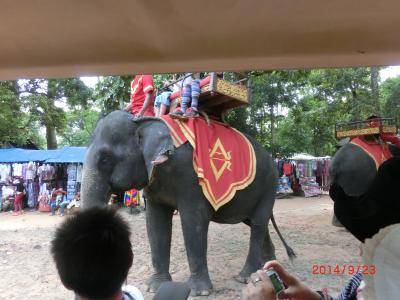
195, 229
159, 230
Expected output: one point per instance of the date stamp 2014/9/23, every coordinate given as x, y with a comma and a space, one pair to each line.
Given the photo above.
322, 269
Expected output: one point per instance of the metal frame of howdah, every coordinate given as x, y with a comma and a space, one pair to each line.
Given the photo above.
361, 128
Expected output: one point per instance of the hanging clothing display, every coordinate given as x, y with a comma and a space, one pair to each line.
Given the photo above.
44, 204
71, 183
71, 171
30, 171
79, 173
284, 185
310, 187
39, 179
132, 198
313, 174
17, 170
287, 168
5, 171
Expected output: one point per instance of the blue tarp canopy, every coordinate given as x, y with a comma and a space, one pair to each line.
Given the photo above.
64, 155
68, 155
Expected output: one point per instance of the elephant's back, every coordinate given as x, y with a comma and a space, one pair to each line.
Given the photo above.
352, 169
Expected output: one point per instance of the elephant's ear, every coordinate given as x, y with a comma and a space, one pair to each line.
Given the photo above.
155, 141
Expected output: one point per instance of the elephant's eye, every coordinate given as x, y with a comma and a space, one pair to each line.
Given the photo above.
105, 160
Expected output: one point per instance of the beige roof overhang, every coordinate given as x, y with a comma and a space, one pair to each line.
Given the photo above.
63, 38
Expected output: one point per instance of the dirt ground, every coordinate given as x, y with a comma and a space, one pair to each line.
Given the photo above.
27, 270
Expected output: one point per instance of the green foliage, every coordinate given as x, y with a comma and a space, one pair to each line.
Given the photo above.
296, 111
308, 128
29, 105
390, 93
350, 86
160, 79
12, 120
112, 92
271, 91
80, 127
290, 111
47, 100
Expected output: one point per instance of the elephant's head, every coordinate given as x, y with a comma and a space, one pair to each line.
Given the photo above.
121, 154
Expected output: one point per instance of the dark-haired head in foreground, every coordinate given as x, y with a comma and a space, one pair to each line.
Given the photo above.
93, 254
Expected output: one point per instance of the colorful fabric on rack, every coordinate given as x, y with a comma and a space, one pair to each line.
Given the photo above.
71, 171
4, 172
132, 198
17, 169
44, 205
79, 173
284, 185
287, 168
29, 190
30, 170
309, 186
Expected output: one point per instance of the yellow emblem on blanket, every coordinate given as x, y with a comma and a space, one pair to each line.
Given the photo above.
218, 154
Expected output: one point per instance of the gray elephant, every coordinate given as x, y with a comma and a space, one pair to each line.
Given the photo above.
120, 158
352, 174
353, 169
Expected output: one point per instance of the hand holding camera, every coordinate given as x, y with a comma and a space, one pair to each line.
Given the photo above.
275, 282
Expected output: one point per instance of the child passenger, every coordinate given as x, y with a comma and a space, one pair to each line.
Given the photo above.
93, 255
163, 101
190, 96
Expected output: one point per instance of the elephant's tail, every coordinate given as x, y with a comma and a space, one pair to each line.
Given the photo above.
289, 250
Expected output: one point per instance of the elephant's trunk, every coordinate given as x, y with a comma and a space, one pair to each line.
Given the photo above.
95, 191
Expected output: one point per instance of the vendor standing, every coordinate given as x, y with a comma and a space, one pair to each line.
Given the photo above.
142, 96
19, 196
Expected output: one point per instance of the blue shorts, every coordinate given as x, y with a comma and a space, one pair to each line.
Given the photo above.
163, 98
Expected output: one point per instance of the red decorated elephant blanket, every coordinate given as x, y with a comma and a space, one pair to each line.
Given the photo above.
379, 152
223, 158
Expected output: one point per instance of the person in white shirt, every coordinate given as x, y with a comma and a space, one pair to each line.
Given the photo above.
75, 202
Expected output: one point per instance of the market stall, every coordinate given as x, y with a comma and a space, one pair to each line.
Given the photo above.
41, 171
303, 174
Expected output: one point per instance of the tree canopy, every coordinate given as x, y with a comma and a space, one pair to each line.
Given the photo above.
291, 111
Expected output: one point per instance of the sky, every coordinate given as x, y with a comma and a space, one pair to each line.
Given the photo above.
388, 72
90, 81
385, 73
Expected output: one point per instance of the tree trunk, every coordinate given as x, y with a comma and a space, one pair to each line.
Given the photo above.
121, 104
51, 137
375, 89
272, 129
356, 112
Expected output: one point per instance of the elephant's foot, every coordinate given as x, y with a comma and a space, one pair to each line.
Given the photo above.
154, 282
241, 279
247, 270
200, 285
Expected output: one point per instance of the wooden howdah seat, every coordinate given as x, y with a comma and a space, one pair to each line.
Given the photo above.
367, 127
217, 96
